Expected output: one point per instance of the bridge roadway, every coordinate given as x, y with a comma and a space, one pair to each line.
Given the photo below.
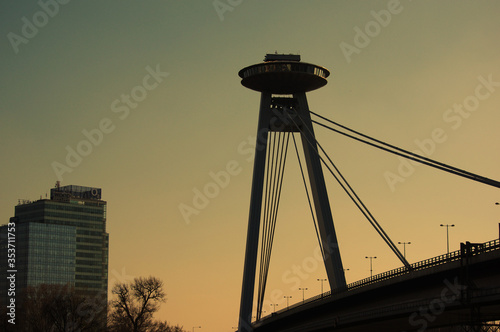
458, 288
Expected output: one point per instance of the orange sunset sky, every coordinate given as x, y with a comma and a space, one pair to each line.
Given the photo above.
159, 80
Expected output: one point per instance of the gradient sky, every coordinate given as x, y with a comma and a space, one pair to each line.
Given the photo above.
400, 85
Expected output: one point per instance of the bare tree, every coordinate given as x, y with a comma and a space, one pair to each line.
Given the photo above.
135, 304
61, 308
165, 327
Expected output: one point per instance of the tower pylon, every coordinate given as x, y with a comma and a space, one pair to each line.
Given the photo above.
283, 80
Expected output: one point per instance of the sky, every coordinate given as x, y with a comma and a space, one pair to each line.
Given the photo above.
143, 100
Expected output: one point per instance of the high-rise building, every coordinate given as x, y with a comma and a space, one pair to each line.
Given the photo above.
61, 240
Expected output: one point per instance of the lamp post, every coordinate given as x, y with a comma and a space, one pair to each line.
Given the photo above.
404, 247
447, 236
371, 266
345, 270
322, 285
274, 305
303, 289
498, 223
287, 297
196, 327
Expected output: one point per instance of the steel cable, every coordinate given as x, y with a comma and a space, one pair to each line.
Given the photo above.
406, 154
308, 198
275, 167
352, 194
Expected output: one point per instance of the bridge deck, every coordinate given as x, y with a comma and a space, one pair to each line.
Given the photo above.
458, 287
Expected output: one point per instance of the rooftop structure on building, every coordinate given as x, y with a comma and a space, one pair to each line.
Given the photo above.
61, 240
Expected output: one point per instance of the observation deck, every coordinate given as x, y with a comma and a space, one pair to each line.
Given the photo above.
283, 74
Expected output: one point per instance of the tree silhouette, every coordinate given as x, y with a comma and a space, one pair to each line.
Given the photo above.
135, 304
60, 308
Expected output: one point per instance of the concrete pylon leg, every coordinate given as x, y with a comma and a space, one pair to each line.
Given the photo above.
332, 259
269, 117
250, 266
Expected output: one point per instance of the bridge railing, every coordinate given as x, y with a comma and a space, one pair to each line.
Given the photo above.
425, 264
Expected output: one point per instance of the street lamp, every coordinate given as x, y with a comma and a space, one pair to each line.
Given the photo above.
322, 285
404, 247
371, 266
287, 297
274, 305
498, 223
447, 236
303, 289
345, 270
196, 327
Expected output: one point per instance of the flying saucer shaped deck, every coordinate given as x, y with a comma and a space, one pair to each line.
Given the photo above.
282, 77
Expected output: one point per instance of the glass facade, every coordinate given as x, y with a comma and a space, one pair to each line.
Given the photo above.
51, 254
276, 67
62, 240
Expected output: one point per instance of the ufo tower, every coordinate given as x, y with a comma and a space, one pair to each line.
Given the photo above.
283, 80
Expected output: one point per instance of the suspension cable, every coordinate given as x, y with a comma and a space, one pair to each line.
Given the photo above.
308, 198
275, 199
265, 221
406, 154
351, 193
368, 214
275, 167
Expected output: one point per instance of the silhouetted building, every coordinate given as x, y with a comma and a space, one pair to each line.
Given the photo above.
61, 240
